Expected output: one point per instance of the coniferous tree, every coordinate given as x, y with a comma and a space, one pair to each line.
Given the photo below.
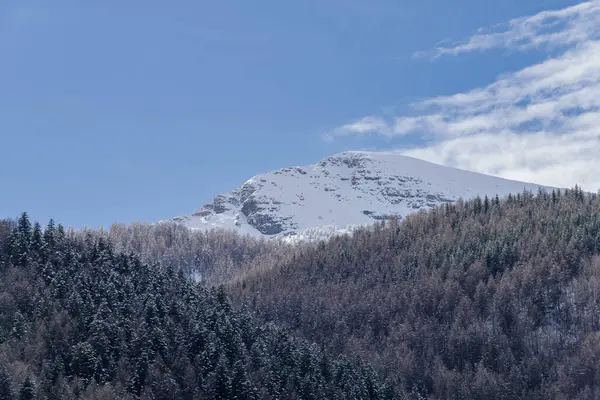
84, 361
50, 233
37, 241
19, 325
6, 389
28, 389
222, 388
21, 241
241, 387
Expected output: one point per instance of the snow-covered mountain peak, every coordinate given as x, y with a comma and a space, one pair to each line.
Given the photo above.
346, 189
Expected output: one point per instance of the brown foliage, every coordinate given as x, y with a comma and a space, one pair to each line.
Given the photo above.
474, 300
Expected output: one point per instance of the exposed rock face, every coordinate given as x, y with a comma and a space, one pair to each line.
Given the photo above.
264, 215
347, 189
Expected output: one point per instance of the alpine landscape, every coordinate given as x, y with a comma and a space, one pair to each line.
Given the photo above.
309, 200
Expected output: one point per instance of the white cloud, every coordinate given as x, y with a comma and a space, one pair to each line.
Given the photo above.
364, 125
539, 124
554, 28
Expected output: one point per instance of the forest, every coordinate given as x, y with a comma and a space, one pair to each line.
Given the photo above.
79, 320
482, 299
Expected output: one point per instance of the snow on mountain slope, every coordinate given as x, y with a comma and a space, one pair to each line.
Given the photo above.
341, 191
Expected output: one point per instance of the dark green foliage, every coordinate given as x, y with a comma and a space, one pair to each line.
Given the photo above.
20, 242
478, 300
6, 227
28, 391
6, 389
81, 320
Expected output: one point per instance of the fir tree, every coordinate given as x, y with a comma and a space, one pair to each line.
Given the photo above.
21, 241
6, 389
222, 381
28, 390
37, 242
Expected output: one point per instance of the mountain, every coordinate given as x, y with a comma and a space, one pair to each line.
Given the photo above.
341, 191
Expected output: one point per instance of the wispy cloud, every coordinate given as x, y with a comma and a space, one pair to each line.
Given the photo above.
553, 28
539, 124
372, 124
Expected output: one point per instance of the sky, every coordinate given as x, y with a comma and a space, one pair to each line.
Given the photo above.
120, 111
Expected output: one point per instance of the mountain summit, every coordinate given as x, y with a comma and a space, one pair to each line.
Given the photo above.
343, 190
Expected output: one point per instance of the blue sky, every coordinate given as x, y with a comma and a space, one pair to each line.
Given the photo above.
140, 110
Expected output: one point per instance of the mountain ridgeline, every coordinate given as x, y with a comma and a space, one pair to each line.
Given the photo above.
340, 192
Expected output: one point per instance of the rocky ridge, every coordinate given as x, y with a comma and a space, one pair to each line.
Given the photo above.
341, 191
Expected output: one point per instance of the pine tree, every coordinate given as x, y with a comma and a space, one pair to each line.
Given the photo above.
477, 205
27, 391
6, 390
21, 241
84, 361
50, 234
19, 325
24, 226
37, 241
222, 384
241, 387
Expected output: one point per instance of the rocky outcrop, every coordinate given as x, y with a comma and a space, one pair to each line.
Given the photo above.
347, 189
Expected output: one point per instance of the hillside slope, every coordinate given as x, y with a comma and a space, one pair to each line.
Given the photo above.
476, 300
79, 320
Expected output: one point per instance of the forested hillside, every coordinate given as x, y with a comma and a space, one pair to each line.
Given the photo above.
484, 299
79, 320
212, 257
